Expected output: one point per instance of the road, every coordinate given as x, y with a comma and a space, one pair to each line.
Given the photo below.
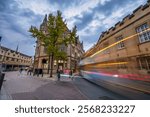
91, 86
95, 92
126, 88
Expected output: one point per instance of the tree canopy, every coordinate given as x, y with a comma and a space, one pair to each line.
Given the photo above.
56, 34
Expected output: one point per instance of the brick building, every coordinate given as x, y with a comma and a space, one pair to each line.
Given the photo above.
13, 60
74, 53
125, 47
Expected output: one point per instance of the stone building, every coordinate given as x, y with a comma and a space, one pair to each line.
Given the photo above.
13, 60
74, 53
125, 47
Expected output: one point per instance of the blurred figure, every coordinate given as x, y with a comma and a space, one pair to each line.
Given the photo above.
70, 74
20, 70
58, 74
29, 71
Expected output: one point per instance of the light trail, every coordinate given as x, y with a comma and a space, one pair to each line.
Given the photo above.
109, 64
119, 42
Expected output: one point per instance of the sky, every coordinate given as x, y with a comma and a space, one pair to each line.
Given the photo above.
90, 16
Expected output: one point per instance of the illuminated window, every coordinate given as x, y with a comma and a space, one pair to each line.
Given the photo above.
121, 44
145, 36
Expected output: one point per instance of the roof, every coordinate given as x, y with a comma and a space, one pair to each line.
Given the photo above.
8, 49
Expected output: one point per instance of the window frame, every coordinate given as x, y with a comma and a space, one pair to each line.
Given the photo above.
119, 45
144, 37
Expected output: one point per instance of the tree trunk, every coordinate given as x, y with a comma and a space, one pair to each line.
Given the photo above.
51, 71
48, 64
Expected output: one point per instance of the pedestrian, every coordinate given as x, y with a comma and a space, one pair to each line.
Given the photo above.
29, 71
58, 74
20, 70
70, 74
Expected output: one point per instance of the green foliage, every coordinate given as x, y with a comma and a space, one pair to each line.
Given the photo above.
60, 55
56, 34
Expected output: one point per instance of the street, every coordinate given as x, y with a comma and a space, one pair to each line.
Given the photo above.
95, 92
127, 88
25, 87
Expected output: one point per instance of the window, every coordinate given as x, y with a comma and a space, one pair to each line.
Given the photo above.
7, 58
145, 36
121, 44
12, 59
144, 63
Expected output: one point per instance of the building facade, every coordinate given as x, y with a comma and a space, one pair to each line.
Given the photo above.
13, 60
74, 53
124, 48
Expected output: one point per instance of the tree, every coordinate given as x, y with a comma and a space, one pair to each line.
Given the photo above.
56, 34
60, 55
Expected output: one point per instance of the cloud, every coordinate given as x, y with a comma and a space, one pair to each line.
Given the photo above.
91, 17
94, 25
118, 13
39, 7
81, 8
15, 25
88, 45
102, 21
77, 9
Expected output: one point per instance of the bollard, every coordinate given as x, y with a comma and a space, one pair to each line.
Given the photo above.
2, 75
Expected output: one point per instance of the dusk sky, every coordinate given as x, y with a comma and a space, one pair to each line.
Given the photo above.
90, 16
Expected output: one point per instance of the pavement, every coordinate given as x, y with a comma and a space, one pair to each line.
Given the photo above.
25, 87
4, 94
